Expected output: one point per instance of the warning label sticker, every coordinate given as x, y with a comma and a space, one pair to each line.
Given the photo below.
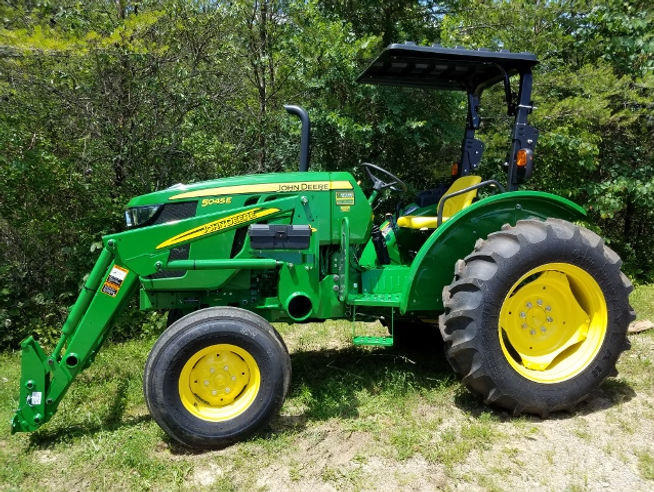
114, 281
35, 398
344, 198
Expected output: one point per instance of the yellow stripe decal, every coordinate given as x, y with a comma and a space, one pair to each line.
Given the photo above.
219, 225
267, 188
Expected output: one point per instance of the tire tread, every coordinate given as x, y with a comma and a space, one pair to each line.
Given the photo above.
460, 321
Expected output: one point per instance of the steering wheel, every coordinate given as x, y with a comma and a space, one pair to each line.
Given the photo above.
377, 184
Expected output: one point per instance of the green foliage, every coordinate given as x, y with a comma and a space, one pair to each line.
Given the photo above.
593, 105
100, 101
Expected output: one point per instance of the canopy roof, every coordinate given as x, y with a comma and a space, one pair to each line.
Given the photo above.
444, 68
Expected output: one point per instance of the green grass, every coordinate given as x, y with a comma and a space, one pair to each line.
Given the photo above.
646, 464
354, 417
642, 300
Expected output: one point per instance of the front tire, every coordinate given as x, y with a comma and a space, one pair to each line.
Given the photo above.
537, 316
216, 376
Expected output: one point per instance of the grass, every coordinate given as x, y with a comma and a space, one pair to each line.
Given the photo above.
646, 464
642, 299
355, 418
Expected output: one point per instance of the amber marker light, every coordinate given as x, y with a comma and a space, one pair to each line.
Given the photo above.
521, 158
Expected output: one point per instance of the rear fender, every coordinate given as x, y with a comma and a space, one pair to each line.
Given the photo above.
433, 266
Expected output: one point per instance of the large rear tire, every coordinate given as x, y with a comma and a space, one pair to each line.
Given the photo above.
216, 376
537, 316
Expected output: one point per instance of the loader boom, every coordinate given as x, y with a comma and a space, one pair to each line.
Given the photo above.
45, 379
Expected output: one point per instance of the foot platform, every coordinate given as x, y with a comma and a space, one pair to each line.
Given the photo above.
375, 341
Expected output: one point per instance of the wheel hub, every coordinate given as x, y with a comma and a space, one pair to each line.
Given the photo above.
218, 378
546, 320
219, 382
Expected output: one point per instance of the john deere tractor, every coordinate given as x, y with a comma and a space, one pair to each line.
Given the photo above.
533, 309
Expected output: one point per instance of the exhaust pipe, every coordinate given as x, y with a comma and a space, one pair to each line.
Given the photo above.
305, 152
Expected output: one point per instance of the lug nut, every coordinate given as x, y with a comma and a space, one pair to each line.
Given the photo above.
523, 315
533, 332
548, 308
549, 320
539, 302
214, 392
227, 390
226, 368
206, 382
212, 370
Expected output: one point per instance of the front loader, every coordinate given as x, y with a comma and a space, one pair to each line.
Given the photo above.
533, 309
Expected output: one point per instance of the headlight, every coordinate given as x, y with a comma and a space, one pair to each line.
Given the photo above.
140, 216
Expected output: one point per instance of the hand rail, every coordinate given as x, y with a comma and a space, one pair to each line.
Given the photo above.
441, 205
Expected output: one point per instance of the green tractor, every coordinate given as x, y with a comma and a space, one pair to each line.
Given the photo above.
532, 308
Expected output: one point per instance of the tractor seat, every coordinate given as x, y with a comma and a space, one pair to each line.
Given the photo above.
452, 205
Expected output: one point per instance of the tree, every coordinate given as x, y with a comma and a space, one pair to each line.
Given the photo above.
593, 109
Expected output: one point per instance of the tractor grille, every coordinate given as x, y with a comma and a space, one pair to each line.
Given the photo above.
175, 211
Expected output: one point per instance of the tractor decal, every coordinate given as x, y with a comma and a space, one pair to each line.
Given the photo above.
114, 281
267, 188
223, 200
221, 224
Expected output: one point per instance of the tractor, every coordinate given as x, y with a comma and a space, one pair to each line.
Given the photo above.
533, 309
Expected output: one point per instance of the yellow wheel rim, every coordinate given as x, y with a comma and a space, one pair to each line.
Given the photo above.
219, 382
553, 322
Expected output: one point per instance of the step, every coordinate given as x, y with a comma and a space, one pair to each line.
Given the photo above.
376, 341
391, 300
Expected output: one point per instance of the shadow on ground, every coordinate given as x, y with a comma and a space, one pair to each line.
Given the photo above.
332, 379
611, 392
113, 419
326, 384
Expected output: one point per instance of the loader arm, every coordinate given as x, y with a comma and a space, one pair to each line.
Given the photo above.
111, 283
126, 260
45, 379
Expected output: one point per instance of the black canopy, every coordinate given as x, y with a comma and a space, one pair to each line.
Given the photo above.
444, 68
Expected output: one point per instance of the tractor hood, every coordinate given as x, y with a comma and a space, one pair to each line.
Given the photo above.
271, 183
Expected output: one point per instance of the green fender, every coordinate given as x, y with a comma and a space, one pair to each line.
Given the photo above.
433, 266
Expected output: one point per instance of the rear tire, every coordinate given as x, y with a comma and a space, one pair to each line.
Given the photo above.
216, 376
537, 316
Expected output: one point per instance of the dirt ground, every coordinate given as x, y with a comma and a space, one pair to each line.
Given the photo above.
607, 444
354, 419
